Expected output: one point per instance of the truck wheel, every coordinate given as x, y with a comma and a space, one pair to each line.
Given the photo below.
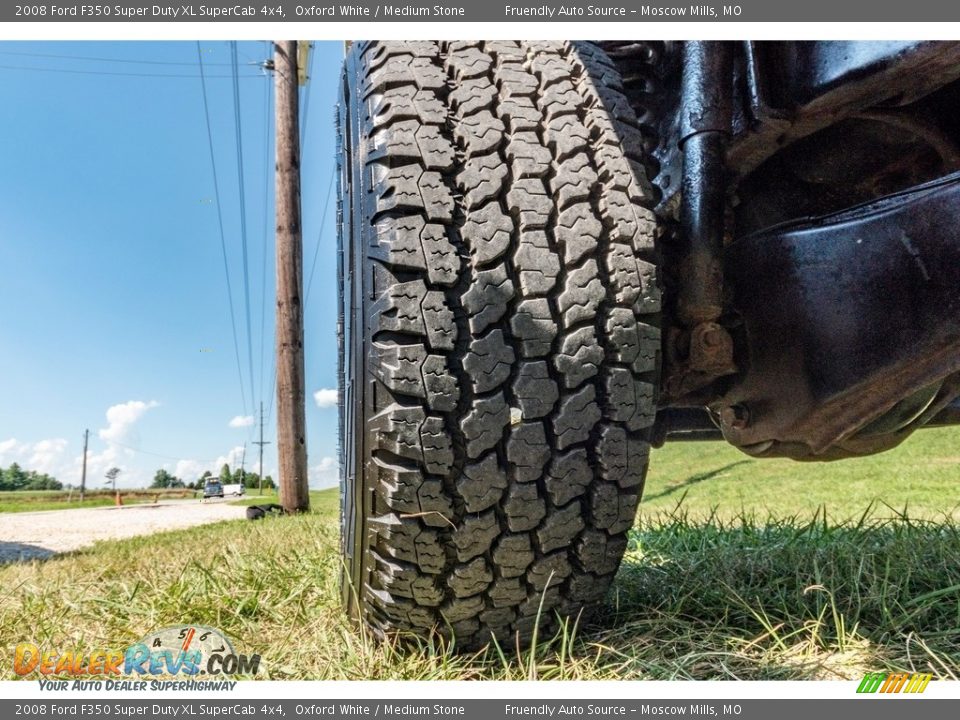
499, 335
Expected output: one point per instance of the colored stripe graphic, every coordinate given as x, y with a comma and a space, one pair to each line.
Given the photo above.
894, 683
871, 682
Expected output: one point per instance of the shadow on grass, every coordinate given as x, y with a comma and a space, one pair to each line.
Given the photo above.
786, 600
694, 479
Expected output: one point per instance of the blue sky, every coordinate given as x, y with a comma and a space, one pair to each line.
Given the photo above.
114, 310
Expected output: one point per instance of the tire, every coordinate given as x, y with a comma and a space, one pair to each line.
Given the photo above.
500, 339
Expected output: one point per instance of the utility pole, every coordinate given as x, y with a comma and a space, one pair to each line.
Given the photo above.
243, 469
83, 477
261, 442
291, 420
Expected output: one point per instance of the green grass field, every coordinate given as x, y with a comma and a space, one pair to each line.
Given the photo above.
738, 569
921, 477
38, 500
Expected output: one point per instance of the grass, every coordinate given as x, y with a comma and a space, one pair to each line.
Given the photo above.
322, 502
252, 497
735, 571
921, 477
38, 500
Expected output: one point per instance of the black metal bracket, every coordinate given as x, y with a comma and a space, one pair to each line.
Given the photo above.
847, 319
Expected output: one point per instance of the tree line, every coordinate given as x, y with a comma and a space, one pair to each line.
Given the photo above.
16, 478
163, 479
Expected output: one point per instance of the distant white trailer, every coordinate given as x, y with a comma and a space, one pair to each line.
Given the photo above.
234, 489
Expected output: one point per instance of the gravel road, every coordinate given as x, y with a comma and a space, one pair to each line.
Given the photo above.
29, 535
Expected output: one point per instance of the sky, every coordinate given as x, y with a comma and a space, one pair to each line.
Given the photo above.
114, 308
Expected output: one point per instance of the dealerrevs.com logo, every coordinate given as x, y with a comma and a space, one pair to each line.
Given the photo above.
179, 651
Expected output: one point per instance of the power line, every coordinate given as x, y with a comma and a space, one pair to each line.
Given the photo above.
223, 241
258, 63
323, 223
268, 97
144, 452
162, 455
303, 134
116, 74
102, 59
273, 394
243, 211
306, 105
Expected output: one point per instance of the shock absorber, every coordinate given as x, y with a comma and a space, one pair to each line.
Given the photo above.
705, 126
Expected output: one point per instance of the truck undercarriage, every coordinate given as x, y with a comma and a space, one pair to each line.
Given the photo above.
813, 307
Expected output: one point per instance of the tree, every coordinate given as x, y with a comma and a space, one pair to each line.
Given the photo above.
225, 474
163, 479
42, 481
238, 477
201, 481
14, 478
112, 474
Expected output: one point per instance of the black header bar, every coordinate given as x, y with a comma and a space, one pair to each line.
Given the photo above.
471, 11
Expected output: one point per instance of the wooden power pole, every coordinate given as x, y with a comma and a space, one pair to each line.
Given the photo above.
83, 477
291, 420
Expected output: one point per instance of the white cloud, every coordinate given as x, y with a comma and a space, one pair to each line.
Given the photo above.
47, 455
232, 458
64, 461
190, 470
121, 430
325, 397
11, 448
325, 473
121, 419
51, 456
44, 456
241, 421
99, 462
